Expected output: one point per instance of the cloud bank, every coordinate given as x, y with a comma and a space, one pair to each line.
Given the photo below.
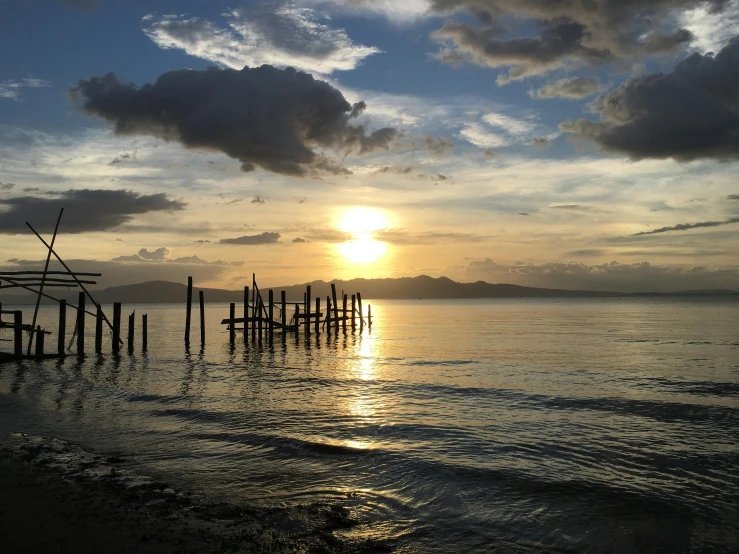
264, 117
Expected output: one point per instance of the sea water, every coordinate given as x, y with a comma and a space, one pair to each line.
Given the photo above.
593, 425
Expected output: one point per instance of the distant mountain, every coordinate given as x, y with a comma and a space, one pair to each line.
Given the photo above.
404, 288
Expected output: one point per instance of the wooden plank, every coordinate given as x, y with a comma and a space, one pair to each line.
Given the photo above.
81, 324
62, 332
77, 273
188, 314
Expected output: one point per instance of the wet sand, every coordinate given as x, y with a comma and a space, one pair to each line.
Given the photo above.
57, 497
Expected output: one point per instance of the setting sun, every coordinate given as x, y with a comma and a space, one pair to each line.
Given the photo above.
363, 250
363, 220
362, 223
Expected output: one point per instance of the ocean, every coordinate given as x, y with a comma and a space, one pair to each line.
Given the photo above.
573, 425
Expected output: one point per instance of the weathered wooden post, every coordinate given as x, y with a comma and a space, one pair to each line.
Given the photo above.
201, 297
131, 330
232, 325
361, 313
271, 316
297, 319
283, 303
144, 333
354, 312
189, 311
116, 327
81, 324
336, 306
327, 321
246, 313
99, 330
343, 319
39, 341
260, 320
369, 316
18, 334
307, 311
318, 316
61, 334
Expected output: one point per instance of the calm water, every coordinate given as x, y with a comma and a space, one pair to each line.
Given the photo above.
455, 426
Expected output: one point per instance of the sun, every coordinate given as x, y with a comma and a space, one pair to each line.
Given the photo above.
362, 223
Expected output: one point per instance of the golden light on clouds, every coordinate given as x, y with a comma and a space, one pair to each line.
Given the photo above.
362, 222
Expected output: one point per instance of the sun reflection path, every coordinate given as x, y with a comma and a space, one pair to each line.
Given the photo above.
363, 403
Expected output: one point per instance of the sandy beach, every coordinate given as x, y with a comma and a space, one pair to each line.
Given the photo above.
57, 497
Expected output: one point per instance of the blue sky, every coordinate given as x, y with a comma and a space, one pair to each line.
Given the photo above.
531, 135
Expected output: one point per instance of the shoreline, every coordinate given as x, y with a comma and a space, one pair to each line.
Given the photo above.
57, 497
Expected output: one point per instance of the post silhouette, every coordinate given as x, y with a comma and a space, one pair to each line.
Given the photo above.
131, 330
318, 316
271, 315
343, 320
283, 314
61, 334
354, 312
18, 334
336, 305
144, 333
246, 313
201, 297
116, 327
307, 311
189, 311
81, 324
99, 330
232, 325
361, 313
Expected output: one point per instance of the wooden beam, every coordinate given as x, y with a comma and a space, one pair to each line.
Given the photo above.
232, 328
144, 332
81, 324
201, 297
116, 327
18, 333
61, 333
2, 273
99, 330
188, 315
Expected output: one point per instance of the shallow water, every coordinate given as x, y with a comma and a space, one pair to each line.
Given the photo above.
597, 425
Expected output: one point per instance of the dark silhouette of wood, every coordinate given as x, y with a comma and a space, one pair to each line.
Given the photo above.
189, 311
246, 313
283, 314
131, 330
254, 306
318, 317
361, 313
18, 334
43, 279
354, 312
144, 332
336, 306
99, 330
75, 273
343, 318
369, 316
270, 315
201, 297
81, 324
232, 325
116, 327
39, 341
297, 319
62, 332
307, 310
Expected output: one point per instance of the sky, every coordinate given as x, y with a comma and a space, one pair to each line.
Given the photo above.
579, 144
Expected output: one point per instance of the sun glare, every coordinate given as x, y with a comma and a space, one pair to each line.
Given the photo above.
362, 220
364, 250
362, 223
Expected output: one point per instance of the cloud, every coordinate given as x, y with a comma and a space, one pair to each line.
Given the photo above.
689, 114
586, 253
613, 276
299, 240
161, 255
568, 32
733, 197
439, 146
404, 237
578, 208
572, 88
497, 130
711, 29
688, 226
158, 254
540, 142
11, 90
258, 200
253, 240
264, 117
85, 210
7, 186
283, 36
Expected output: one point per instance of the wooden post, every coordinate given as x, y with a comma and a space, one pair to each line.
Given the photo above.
99, 330
336, 306
81, 324
307, 311
369, 316
131, 330
297, 319
318, 316
246, 312
62, 333
39, 341
201, 297
18, 334
189, 311
271, 315
260, 319
116, 327
354, 312
144, 332
283, 301
343, 319
232, 325
361, 313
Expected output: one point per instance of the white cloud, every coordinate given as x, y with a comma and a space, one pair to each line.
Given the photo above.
12, 89
397, 11
288, 36
711, 30
496, 130
477, 134
511, 125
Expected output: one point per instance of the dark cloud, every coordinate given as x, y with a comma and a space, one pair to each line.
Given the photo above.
586, 253
439, 146
733, 197
7, 186
489, 154
541, 142
523, 213
85, 210
688, 226
161, 255
299, 240
253, 240
613, 276
328, 235
573, 88
234, 201
578, 208
122, 158
590, 32
259, 200
158, 254
402, 236
689, 114
264, 117
31, 189
203, 241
